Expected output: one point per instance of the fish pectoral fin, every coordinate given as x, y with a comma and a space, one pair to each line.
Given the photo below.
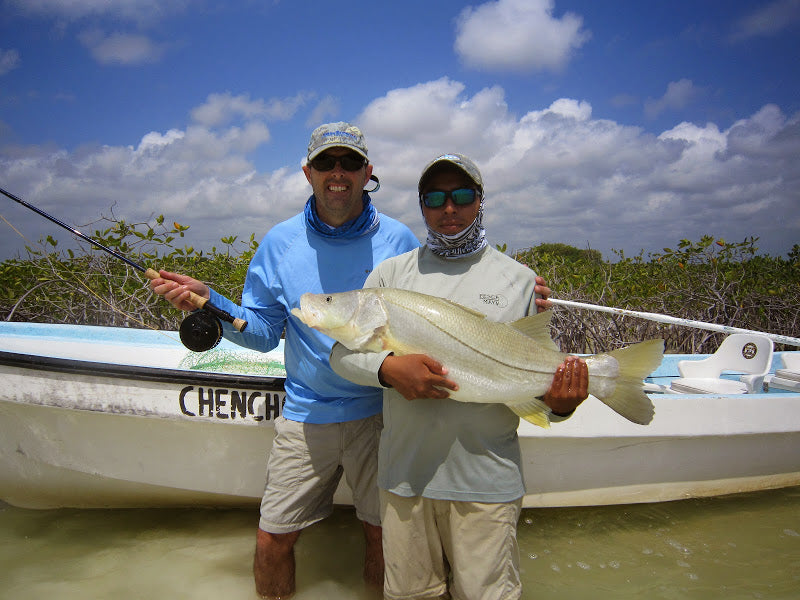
375, 341
537, 327
534, 411
352, 339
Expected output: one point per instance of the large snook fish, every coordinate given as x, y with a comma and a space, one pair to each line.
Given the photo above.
509, 363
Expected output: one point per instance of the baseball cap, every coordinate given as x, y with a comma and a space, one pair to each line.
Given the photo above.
460, 161
333, 135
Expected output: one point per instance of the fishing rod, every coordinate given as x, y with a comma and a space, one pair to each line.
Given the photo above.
781, 339
200, 330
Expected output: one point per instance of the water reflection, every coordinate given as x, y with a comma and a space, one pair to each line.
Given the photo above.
744, 546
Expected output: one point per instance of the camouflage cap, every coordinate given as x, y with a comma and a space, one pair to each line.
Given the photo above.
461, 162
333, 135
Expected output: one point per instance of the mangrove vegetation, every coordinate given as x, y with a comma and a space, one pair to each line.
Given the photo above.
710, 280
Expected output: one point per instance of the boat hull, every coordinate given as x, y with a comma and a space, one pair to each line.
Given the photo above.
94, 436
97, 460
686, 452
77, 430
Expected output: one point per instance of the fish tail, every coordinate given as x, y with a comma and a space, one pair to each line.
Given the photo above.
635, 363
534, 411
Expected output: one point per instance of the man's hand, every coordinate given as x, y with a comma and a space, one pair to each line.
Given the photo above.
542, 304
175, 288
416, 376
570, 386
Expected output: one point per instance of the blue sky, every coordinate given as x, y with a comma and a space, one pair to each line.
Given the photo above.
620, 124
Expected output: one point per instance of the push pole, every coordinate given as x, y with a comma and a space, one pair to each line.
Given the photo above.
781, 339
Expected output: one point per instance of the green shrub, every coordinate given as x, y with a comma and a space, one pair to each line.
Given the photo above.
709, 280
92, 287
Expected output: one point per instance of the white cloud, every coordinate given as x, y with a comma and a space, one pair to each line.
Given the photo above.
121, 48
191, 175
765, 135
424, 113
678, 95
220, 109
517, 35
553, 174
9, 60
768, 19
326, 109
114, 48
157, 141
560, 175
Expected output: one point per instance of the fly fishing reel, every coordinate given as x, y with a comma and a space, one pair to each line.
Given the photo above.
200, 331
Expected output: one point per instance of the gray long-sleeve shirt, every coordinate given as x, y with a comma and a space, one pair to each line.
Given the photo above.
445, 449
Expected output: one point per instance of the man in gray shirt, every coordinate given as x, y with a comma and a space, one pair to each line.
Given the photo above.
450, 472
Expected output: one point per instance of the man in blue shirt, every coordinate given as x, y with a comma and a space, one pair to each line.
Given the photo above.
329, 426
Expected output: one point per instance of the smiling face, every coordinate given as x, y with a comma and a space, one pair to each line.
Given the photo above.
450, 218
338, 192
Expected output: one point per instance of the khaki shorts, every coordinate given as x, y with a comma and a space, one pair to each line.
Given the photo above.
428, 542
305, 465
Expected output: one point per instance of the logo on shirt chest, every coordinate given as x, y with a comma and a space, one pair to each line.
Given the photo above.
497, 300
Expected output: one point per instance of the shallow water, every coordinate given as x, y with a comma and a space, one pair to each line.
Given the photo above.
745, 546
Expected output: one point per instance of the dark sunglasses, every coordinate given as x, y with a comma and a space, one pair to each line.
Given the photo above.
437, 198
326, 162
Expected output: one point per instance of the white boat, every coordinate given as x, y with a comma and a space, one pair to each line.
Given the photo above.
112, 417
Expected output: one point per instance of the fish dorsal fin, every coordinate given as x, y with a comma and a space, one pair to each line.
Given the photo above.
537, 327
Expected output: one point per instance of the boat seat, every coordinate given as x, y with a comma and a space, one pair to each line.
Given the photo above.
746, 353
791, 361
788, 378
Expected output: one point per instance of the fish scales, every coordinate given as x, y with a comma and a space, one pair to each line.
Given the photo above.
492, 362
497, 341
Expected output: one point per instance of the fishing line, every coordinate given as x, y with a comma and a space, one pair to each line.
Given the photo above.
200, 331
17, 231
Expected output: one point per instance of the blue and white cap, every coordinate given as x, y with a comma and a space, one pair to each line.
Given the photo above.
336, 135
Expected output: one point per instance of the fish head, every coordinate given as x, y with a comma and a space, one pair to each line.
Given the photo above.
356, 319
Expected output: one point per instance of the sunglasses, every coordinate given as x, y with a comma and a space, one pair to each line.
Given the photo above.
326, 162
437, 198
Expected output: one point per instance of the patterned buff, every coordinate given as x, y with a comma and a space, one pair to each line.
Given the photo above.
363, 224
462, 244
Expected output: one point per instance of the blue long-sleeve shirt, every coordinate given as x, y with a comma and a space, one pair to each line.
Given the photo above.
292, 259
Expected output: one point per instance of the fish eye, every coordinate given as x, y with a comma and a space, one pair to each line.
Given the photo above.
328, 299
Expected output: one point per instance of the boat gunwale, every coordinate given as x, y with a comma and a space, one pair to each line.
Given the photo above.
136, 372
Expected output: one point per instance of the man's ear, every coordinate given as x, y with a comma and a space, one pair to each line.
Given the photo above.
367, 174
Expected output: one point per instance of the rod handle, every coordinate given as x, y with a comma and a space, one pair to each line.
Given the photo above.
200, 302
